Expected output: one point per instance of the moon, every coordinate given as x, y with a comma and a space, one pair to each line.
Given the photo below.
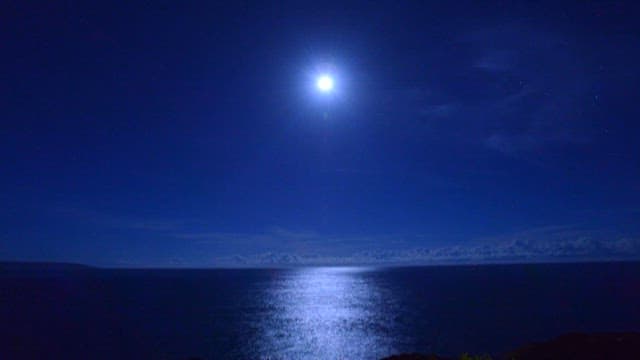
325, 83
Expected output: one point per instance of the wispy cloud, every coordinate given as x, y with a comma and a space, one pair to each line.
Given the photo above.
496, 60
549, 86
279, 246
515, 88
557, 243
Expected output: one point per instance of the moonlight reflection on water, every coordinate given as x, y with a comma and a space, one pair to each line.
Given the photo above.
325, 313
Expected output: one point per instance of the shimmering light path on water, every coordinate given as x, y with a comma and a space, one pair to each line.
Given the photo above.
333, 313
309, 313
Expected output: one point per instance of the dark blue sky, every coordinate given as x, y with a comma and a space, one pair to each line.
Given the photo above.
189, 134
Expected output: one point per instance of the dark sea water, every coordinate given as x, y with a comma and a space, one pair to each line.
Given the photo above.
308, 313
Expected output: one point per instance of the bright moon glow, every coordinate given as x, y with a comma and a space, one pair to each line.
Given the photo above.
325, 83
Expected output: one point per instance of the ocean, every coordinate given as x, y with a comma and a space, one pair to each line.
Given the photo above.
308, 313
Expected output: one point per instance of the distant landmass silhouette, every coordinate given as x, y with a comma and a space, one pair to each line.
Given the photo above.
40, 266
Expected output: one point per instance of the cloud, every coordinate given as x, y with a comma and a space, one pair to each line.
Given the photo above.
512, 88
515, 251
279, 246
557, 243
496, 61
549, 88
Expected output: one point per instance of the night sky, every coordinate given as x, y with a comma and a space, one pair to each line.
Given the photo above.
193, 134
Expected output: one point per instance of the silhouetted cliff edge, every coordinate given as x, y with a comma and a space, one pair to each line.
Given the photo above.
578, 346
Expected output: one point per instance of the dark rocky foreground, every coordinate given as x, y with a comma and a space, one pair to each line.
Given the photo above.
609, 346
573, 346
